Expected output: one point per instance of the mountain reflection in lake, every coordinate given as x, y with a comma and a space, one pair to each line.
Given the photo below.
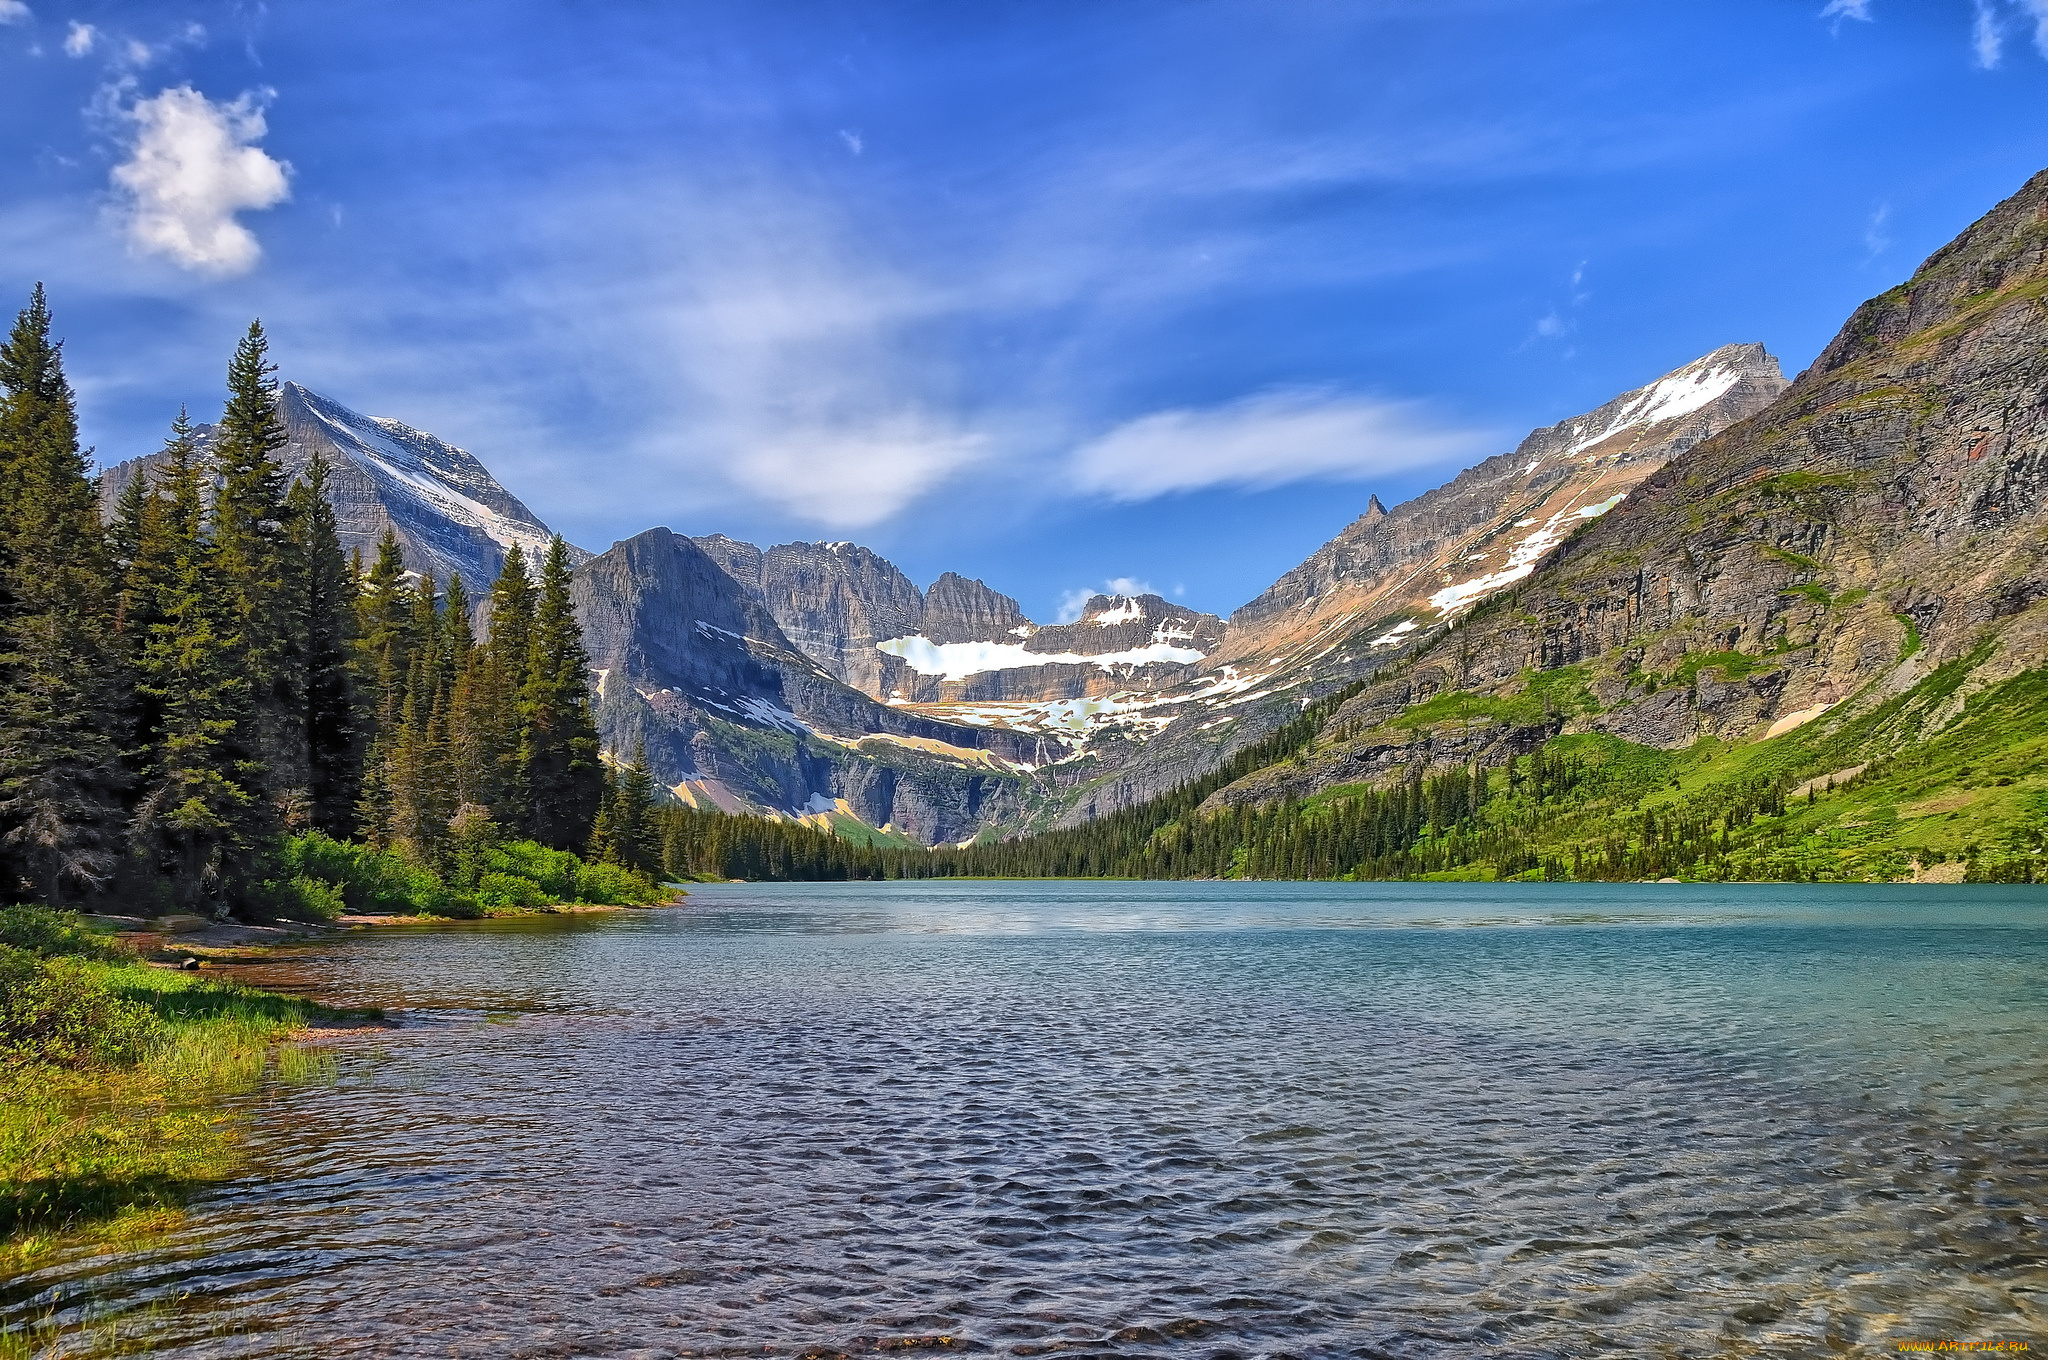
1143, 1119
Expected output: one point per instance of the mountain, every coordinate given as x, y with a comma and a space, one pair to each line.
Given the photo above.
1449, 548
693, 667
449, 512
1393, 580
1838, 587
961, 643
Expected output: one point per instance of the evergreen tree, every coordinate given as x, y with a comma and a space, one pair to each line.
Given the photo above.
497, 728
564, 775
636, 837
253, 548
383, 654
60, 676
325, 586
195, 818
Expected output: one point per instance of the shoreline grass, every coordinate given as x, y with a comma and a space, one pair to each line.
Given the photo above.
106, 1148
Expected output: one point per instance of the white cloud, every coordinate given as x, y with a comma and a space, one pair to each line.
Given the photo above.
1875, 239
1847, 9
192, 168
1266, 440
80, 39
853, 141
1987, 35
1550, 325
852, 477
1072, 602
15, 12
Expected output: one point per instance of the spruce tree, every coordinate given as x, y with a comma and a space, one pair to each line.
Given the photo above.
196, 820
60, 674
499, 688
633, 834
325, 585
564, 775
383, 656
253, 545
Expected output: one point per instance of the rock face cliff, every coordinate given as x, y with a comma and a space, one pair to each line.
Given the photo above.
449, 512
959, 642
693, 666
1884, 517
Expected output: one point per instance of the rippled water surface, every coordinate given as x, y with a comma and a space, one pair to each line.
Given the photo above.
1145, 1119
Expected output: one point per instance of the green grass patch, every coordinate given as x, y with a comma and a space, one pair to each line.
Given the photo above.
1539, 697
1794, 484
110, 1077
1911, 644
1799, 560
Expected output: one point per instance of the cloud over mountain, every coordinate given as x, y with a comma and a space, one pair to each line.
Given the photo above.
192, 167
1265, 440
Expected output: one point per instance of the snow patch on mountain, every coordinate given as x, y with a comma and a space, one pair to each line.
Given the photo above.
416, 466
1668, 398
1521, 561
958, 660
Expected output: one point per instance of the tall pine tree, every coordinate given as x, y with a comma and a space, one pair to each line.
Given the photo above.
252, 540
60, 674
197, 824
564, 776
323, 583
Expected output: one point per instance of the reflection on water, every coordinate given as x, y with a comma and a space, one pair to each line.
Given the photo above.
1146, 1119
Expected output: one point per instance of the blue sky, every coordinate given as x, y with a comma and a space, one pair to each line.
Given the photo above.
1048, 293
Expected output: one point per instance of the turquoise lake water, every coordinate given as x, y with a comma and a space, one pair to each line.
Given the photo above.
1204, 1119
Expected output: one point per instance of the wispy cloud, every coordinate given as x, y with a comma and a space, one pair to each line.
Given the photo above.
852, 138
1990, 21
853, 475
15, 12
1875, 239
192, 167
1073, 602
1987, 35
1266, 440
78, 42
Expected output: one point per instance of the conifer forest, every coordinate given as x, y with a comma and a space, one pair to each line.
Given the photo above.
210, 709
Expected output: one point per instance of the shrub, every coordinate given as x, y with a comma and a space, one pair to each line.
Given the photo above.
612, 885
50, 933
369, 881
510, 890
555, 871
305, 898
59, 1011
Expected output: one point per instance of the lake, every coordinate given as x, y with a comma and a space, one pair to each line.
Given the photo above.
1172, 1119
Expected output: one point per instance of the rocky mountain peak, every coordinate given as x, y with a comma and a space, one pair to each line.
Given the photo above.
958, 609
449, 513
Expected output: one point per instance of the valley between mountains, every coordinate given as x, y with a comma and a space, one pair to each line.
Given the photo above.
1723, 625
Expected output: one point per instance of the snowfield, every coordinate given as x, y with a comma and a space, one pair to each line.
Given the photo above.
958, 660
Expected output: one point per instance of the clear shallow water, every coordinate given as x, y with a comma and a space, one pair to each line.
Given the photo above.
1148, 1119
